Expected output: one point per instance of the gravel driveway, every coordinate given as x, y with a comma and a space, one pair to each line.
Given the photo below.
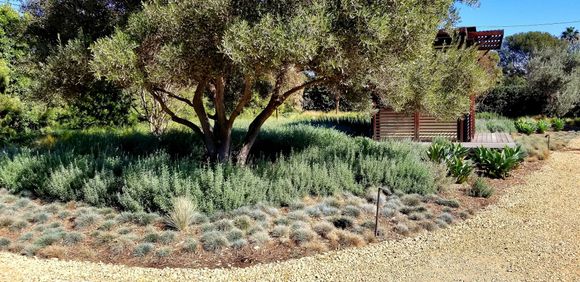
533, 233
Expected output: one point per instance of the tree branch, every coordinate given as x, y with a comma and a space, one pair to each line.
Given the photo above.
174, 96
174, 116
219, 104
246, 97
197, 104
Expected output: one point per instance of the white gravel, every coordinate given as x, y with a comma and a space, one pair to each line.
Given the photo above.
531, 234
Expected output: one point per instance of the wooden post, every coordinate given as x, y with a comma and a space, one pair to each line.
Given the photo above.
416, 123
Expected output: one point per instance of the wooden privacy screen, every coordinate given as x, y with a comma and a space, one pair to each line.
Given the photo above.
420, 127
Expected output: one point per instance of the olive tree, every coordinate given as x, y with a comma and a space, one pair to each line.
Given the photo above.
216, 56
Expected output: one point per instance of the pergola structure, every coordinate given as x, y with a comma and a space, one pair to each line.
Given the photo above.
388, 123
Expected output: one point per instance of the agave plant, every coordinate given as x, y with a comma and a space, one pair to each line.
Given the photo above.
542, 126
440, 151
496, 163
459, 168
526, 125
437, 152
558, 124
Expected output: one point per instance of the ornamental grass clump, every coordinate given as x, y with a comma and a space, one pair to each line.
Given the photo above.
190, 245
243, 222
86, 220
452, 203
143, 249
4, 242
259, 238
234, 234
213, 241
239, 243
351, 211
182, 213
402, 228
480, 188
167, 237
280, 231
323, 228
302, 235
72, 238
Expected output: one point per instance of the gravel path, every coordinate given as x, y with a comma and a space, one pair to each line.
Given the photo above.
533, 233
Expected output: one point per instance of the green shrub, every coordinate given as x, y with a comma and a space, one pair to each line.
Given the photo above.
437, 152
558, 124
490, 122
138, 172
480, 189
542, 126
498, 163
459, 168
526, 125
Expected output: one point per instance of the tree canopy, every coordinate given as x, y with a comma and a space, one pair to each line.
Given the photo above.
217, 52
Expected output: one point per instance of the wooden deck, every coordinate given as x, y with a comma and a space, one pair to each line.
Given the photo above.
490, 140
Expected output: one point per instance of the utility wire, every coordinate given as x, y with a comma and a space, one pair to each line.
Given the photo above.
526, 25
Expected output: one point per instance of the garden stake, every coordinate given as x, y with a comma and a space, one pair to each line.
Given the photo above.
377, 214
548, 136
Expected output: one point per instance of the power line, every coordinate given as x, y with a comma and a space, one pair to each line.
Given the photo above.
526, 25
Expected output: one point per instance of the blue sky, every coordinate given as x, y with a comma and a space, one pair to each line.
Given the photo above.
522, 12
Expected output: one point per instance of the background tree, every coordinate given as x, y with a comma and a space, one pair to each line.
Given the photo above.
60, 32
540, 77
571, 35
554, 81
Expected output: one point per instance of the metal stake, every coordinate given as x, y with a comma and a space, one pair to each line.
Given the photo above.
548, 136
377, 214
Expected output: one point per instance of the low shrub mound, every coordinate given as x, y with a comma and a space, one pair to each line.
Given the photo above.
261, 228
139, 172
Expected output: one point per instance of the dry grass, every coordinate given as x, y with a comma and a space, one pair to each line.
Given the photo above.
182, 213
